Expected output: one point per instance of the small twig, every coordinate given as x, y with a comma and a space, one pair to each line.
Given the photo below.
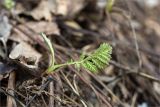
44, 101
7, 93
18, 93
60, 100
135, 72
106, 88
11, 85
136, 41
51, 91
74, 90
41, 88
134, 100
99, 96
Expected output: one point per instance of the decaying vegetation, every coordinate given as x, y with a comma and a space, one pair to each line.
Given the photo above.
78, 27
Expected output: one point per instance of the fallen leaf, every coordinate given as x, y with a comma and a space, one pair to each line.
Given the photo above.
69, 7
18, 36
43, 26
42, 11
46, 8
5, 30
27, 55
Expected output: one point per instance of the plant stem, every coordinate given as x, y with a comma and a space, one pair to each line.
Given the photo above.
110, 5
53, 68
49, 44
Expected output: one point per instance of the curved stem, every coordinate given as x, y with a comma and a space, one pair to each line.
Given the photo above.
49, 44
62, 65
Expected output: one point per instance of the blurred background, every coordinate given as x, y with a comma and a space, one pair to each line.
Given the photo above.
131, 27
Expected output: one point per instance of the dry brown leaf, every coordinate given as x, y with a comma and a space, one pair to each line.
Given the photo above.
153, 25
42, 11
46, 8
5, 30
18, 36
69, 7
37, 27
25, 53
58, 7
43, 26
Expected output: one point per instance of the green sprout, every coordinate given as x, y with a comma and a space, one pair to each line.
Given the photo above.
94, 62
49, 45
109, 5
9, 4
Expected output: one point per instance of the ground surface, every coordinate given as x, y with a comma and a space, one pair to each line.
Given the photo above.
132, 78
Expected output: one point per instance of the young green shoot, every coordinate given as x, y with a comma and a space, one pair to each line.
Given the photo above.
49, 45
94, 62
9, 4
109, 5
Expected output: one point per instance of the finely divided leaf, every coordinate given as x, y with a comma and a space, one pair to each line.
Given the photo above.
99, 59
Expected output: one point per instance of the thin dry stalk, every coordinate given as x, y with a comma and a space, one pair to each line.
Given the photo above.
11, 85
51, 91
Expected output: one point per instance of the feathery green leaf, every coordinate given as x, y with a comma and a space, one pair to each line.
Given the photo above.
99, 59
94, 62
